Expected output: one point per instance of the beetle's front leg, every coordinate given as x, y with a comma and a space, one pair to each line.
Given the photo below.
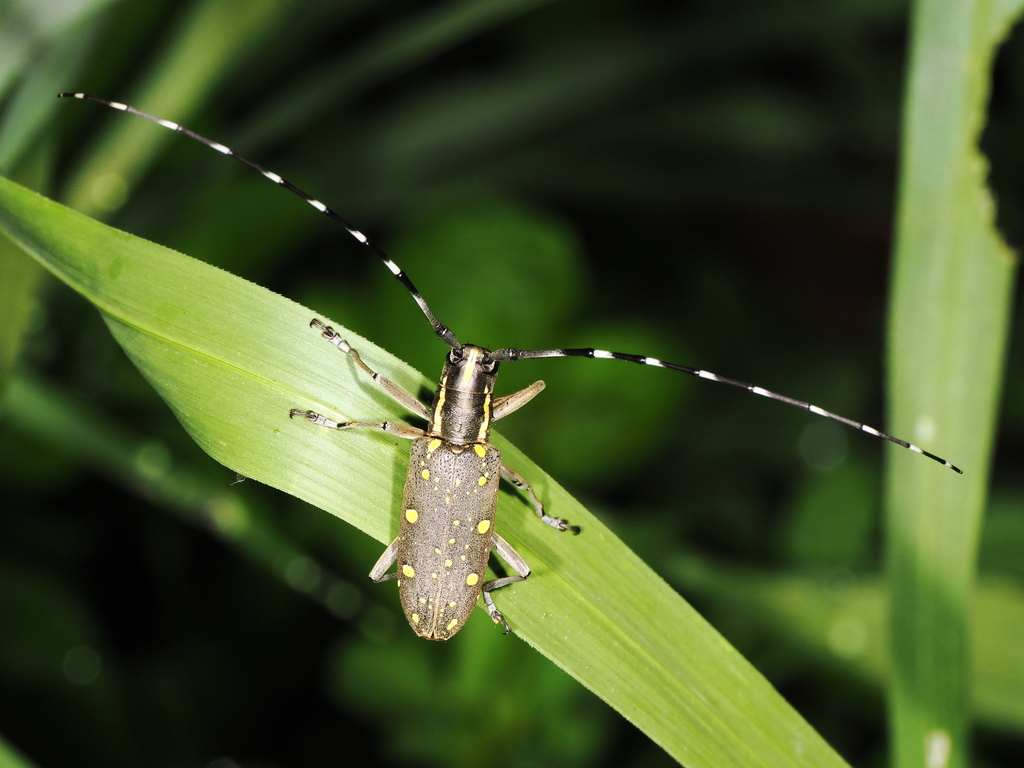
396, 393
396, 428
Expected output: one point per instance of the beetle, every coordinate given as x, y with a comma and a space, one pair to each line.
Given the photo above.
451, 491
446, 529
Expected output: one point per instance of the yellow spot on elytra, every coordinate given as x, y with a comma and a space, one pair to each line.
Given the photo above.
458, 481
480, 450
451, 624
425, 474
456, 522
447, 563
433, 575
415, 618
484, 527
472, 579
412, 515
482, 481
423, 601
462, 558
433, 445
451, 541
437, 551
408, 571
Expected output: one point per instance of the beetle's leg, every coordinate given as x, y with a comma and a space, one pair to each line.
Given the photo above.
385, 561
503, 406
520, 482
396, 428
514, 559
396, 393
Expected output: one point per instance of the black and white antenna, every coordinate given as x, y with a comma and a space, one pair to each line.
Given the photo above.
507, 354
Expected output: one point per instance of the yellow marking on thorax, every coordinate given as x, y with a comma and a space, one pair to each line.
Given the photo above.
435, 417
485, 422
469, 369
434, 444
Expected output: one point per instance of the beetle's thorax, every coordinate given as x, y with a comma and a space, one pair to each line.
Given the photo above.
461, 412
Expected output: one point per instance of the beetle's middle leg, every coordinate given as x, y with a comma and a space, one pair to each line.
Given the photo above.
519, 482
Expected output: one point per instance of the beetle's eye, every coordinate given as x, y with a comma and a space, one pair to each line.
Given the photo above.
455, 356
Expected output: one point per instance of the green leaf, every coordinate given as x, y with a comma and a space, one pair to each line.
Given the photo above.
950, 311
231, 359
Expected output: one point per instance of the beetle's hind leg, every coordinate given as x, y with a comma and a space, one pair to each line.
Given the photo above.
515, 560
385, 561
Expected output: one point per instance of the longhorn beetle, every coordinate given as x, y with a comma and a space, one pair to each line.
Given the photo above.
447, 522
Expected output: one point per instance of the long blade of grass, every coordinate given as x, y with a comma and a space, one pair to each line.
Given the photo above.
953, 277
403, 47
231, 359
212, 36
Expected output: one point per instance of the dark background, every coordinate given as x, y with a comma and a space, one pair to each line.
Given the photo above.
706, 182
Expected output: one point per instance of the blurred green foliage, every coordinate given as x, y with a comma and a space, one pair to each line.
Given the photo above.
703, 182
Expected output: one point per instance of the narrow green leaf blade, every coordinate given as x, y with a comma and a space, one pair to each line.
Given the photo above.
232, 358
950, 310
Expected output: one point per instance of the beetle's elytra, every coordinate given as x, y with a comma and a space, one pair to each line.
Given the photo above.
447, 525
447, 517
